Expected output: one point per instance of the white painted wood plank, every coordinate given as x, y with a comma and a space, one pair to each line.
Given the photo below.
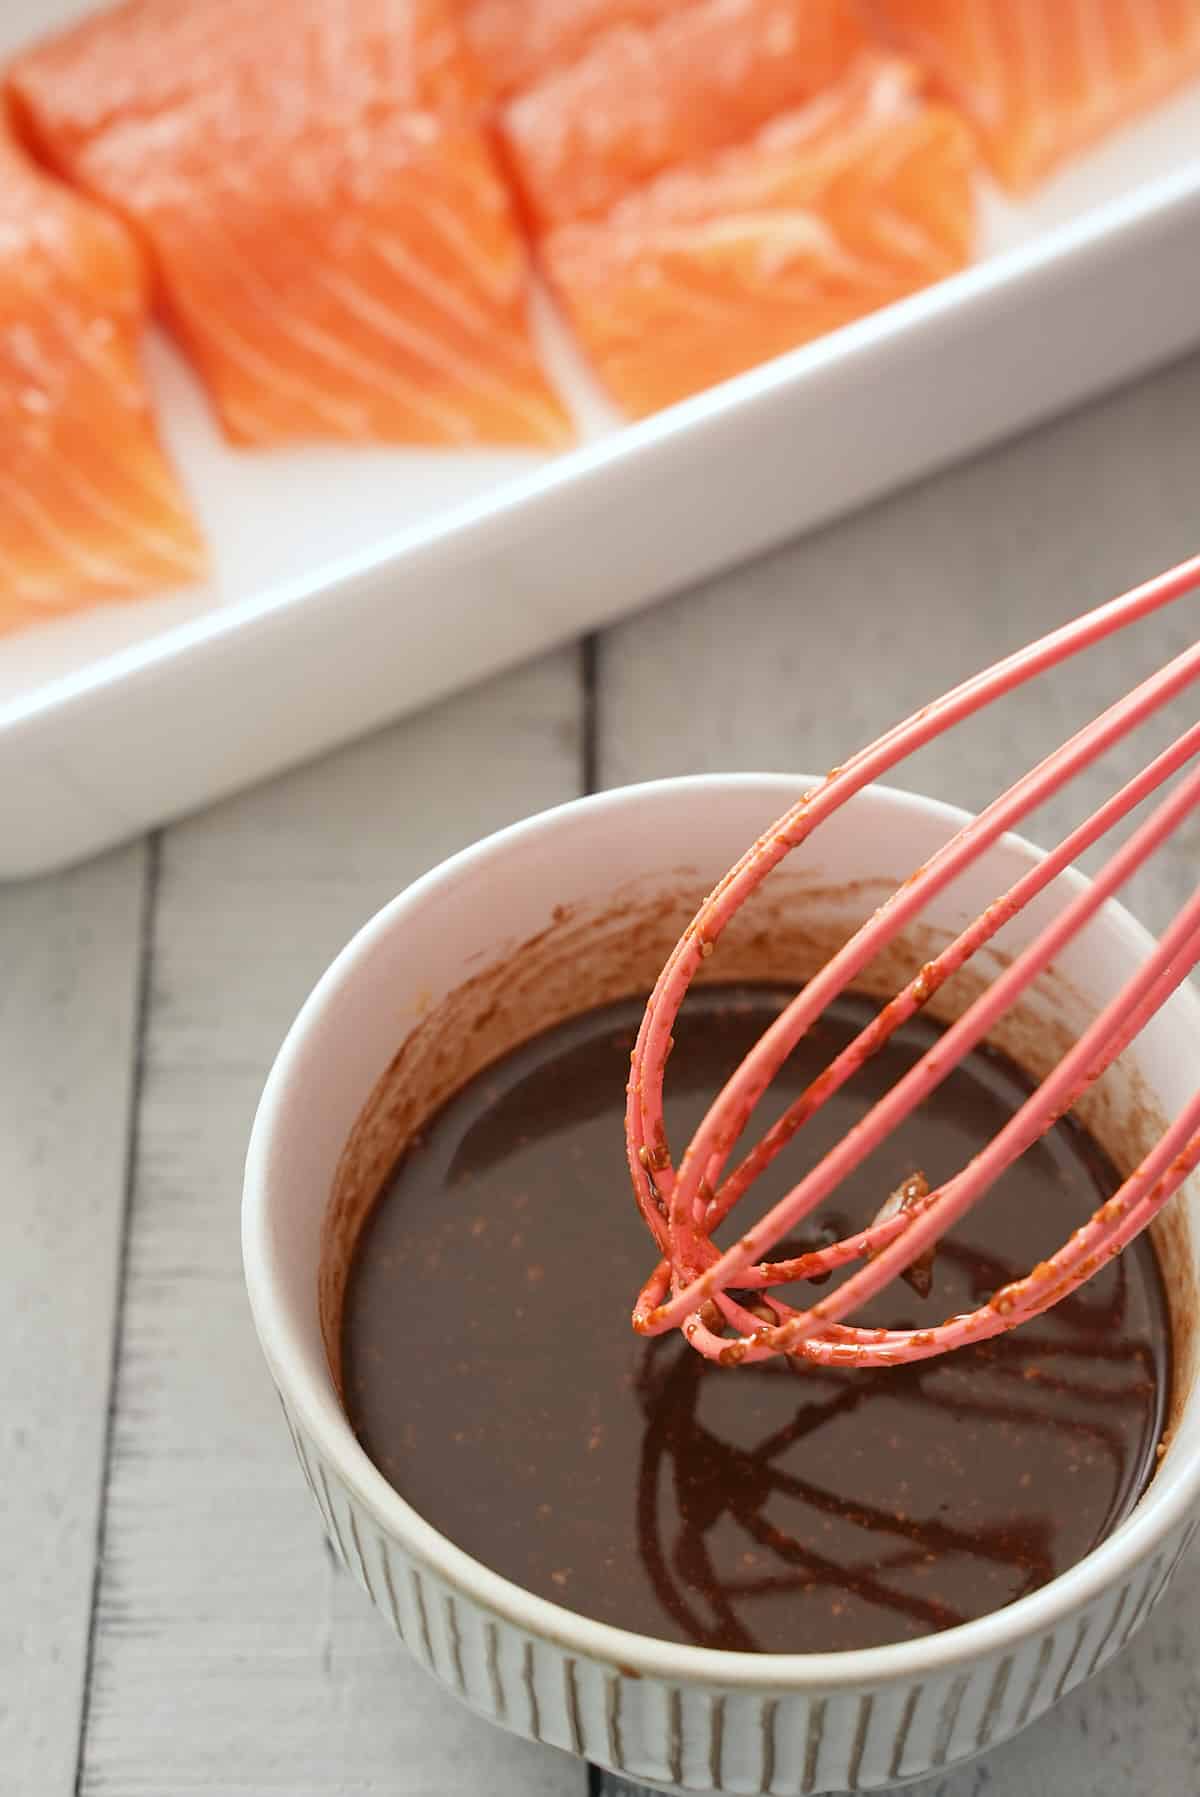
798, 659
69, 949
229, 1657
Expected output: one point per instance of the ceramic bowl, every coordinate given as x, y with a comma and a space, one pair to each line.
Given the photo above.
566, 909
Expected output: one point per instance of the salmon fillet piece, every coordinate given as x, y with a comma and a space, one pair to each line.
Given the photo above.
89, 508
334, 243
143, 58
642, 98
1041, 80
517, 42
856, 200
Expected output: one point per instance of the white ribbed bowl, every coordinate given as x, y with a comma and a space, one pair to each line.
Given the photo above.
684, 1717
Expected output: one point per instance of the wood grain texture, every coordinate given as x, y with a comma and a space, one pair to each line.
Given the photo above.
230, 1657
69, 953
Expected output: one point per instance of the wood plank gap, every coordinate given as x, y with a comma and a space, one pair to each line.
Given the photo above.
149, 908
589, 730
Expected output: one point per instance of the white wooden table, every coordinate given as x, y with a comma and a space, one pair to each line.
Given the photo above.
169, 1621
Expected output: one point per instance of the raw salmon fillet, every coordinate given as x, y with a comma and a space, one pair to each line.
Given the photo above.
642, 98
144, 58
333, 239
856, 200
516, 42
1041, 80
89, 509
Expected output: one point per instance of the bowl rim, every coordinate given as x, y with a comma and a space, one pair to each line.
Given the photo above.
1160, 1509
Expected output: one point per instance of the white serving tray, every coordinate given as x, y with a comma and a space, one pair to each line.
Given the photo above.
353, 585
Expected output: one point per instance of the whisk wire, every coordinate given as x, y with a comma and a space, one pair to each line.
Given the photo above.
1078, 1069
654, 1035
752, 1079
933, 975
683, 1206
940, 1061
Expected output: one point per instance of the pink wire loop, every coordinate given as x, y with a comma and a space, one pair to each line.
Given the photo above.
691, 1287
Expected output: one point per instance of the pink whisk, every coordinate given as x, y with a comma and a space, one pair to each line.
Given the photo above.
693, 1286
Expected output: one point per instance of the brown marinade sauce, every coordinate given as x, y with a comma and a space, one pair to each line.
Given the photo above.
492, 1374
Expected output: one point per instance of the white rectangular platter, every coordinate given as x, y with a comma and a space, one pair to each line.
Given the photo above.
353, 585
